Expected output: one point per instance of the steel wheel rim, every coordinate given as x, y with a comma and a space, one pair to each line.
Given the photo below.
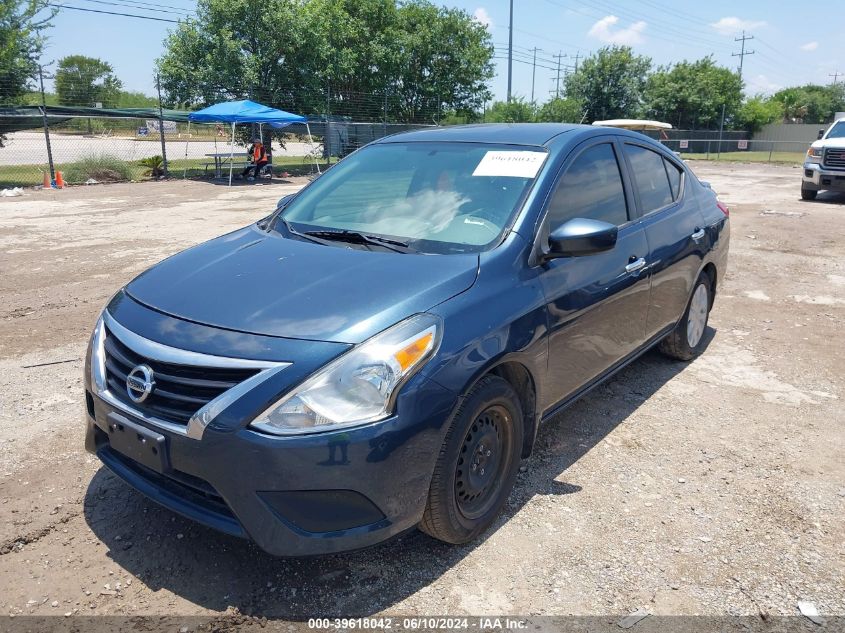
697, 318
485, 456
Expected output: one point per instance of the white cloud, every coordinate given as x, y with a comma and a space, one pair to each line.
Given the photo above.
810, 46
760, 84
733, 25
603, 30
483, 17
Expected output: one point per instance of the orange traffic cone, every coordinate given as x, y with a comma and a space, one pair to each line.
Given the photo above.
60, 182
46, 184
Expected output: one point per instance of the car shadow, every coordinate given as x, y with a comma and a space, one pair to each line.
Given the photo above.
216, 571
828, 197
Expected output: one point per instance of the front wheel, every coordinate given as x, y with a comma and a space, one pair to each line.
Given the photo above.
808, 194
477, 465
686, 341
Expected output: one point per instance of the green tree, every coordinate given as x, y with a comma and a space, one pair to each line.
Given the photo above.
690, 95
85, 81
22, 25
518, 110
135, 99
757, 112
610, 83
811, 103
415, 59
560, 110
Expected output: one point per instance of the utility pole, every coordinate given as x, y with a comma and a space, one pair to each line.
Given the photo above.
46, 126
577, 57
742, 52
534, 73
835, 76
559, 56
161, 129
510, 52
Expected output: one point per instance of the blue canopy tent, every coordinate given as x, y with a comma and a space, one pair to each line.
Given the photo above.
246, 111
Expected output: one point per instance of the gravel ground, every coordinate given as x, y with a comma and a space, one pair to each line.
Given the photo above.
716, 487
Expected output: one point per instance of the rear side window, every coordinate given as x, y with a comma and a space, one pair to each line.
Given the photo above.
675, 176
590, 188
650, 177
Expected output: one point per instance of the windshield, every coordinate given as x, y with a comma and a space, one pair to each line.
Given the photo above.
434, 197
837, 131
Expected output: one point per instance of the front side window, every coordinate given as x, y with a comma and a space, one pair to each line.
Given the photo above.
591, 188
437, 197
650, 177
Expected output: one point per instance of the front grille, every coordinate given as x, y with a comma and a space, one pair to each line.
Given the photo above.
180, 390
834, 157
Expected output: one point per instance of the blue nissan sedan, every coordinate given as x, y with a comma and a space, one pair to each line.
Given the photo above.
378, 353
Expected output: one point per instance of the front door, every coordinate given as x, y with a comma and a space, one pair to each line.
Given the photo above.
597, 304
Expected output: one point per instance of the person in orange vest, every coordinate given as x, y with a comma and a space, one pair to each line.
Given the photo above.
258, 156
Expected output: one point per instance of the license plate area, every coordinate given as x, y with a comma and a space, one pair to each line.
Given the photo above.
137, 442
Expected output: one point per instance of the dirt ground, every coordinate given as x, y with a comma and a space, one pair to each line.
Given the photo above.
716, 487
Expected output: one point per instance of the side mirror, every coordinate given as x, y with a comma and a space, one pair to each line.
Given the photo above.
581, 236
284, 200
821, 133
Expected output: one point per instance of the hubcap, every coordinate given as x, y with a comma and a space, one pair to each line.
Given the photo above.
485, 454
697, 319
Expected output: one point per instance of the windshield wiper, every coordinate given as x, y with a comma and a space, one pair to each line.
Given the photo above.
293, 231
354, 237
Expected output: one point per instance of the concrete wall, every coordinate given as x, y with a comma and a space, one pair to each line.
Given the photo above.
790, 137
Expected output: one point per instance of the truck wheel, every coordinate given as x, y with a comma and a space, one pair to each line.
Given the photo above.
686, 341
808, 194
477, 465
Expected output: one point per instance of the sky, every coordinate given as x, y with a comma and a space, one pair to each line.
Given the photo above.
790, 46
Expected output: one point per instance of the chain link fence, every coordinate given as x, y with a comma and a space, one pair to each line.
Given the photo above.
103, 149
111, 149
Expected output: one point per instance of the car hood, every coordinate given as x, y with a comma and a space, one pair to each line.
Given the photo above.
252, 281
838, 143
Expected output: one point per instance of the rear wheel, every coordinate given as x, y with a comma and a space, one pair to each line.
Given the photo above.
808, 194
686, 341
477, 465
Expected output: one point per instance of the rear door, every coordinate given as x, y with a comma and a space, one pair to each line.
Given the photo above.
674, 227
597, 304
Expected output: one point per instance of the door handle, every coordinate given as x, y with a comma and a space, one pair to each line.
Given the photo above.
635, 265
699, 233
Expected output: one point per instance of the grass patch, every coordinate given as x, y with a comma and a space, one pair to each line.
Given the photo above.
100, 167
789, 158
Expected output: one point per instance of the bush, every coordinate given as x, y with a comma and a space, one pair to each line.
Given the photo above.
154, 165
100, 167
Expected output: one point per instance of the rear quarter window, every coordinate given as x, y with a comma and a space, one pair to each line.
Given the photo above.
675, 178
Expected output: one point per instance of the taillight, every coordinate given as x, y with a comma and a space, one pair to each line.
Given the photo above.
723, 208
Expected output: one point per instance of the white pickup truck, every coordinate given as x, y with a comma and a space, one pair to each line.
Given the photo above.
824, 167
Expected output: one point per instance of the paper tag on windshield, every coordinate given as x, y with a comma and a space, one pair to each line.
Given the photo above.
513, 164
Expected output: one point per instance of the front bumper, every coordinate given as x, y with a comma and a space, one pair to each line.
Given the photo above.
818, 177
293, 496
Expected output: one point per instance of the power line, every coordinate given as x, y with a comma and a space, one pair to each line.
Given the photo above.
126, 15
135, 6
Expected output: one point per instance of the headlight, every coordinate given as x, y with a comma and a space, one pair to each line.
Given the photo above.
360, 386
814, 152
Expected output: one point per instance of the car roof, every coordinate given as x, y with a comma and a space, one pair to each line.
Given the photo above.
537, 134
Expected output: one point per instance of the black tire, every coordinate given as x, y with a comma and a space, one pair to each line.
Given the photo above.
808, 194
677, 344
464, 501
